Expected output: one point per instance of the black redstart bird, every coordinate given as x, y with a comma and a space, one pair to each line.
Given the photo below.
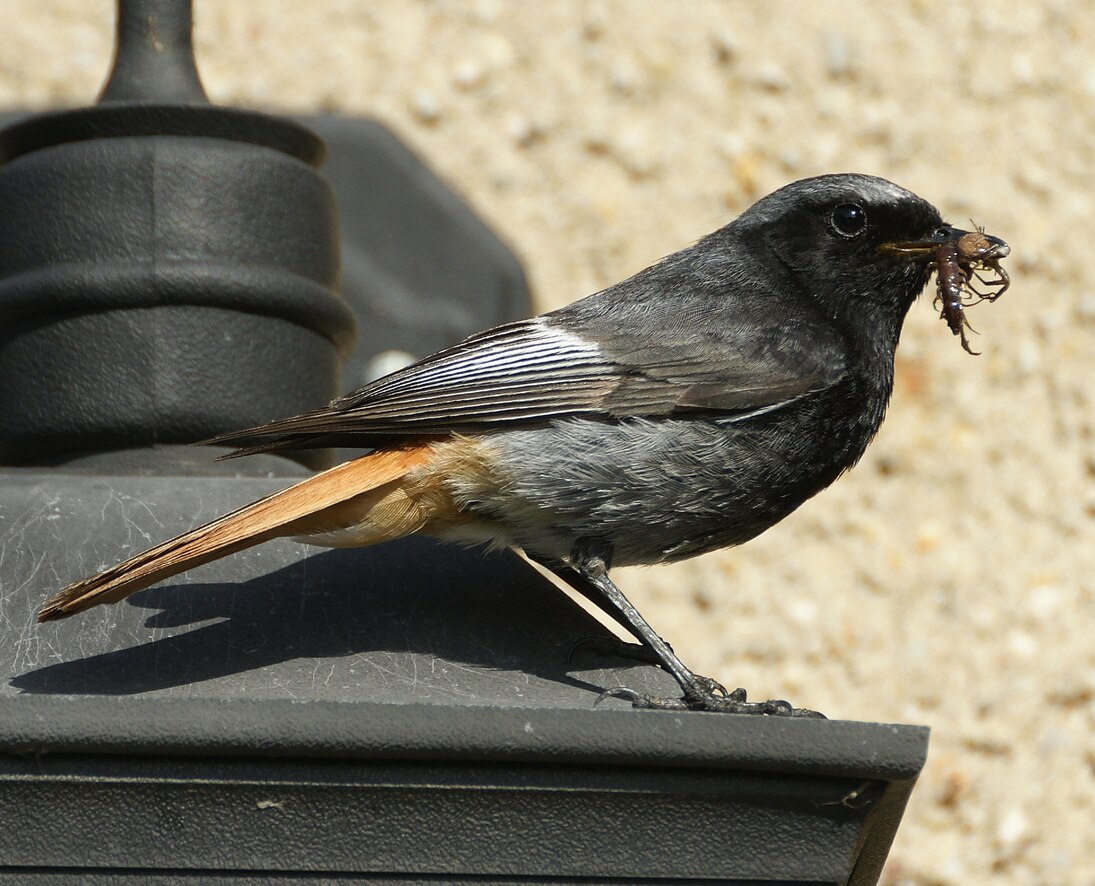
685, 409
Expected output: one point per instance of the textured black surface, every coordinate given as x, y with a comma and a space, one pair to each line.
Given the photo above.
405, 622
151, 290
347, 817
457, 731
162, 288
409, 710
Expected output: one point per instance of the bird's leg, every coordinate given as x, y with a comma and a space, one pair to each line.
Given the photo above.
587, 572
591, 562
643, 651
612, 646
600, 644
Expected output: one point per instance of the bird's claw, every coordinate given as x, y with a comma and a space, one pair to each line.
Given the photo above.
638, 700
715, 689
714, 699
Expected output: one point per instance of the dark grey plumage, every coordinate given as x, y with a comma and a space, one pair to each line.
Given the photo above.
687, 408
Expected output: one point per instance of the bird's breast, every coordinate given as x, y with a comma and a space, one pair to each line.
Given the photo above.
655, 489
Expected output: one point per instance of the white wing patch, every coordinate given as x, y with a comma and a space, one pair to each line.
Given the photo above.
517, 359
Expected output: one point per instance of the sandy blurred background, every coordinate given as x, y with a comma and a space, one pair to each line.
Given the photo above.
950, 579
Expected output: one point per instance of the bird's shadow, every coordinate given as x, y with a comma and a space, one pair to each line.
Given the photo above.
401, 604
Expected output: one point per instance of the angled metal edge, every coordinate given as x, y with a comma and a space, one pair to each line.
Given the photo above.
204, 727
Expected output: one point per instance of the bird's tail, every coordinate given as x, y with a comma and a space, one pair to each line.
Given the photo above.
360, 502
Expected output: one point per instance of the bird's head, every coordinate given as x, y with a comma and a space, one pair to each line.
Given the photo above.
859, 245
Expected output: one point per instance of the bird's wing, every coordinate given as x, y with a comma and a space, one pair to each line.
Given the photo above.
672, 340
544, 368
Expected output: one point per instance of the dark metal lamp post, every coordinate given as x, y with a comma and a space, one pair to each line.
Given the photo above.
413, 713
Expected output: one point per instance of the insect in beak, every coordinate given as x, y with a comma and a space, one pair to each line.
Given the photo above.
959, 258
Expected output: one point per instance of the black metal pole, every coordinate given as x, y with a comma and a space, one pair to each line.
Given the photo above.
154, 54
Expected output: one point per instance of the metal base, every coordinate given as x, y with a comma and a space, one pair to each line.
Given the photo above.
409, 710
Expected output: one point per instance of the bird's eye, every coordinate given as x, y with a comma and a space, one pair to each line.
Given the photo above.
848, 220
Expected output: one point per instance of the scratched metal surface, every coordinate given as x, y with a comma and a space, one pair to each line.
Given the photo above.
408, 622
183, 704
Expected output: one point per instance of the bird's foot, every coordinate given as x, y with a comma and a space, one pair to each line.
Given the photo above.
709, 695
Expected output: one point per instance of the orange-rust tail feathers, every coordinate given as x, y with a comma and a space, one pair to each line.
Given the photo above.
378, 497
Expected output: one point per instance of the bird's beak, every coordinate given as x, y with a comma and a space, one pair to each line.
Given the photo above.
987, 246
